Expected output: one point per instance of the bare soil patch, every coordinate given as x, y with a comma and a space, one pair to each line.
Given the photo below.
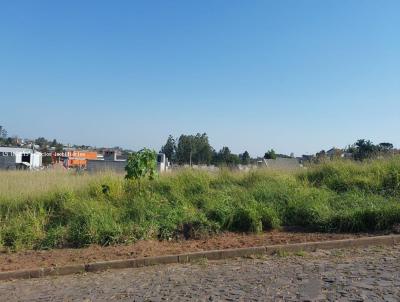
147, 248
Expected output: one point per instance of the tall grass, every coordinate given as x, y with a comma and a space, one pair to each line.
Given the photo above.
25, 185
51, 209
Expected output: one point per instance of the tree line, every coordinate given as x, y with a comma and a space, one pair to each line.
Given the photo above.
365, 149
361, 150
196, 149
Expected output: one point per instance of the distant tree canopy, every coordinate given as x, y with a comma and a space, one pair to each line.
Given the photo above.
185, 149
245, 158
3, 133
225, 157
53, 143
169, 148
196, 149
365, 149
6, 140
59, 148
385, 147
321, 155
270, 154
42, 142
190, 149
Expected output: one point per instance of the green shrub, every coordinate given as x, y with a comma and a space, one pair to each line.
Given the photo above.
196, 226
93, 222
169, 219
25, 231
391, 182
245, 219
56, 237
308, 207
269, 218
219, 209
366, 219
379, 176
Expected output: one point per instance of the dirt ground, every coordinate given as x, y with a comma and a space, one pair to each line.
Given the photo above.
147, 248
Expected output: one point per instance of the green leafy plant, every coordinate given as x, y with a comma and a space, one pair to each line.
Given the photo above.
141, 164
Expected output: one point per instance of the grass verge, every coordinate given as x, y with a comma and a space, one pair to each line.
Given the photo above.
42, 210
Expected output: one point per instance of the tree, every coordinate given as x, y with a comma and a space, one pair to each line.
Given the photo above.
53, 143
185, 149
364, 149
270, 154
169, 148
59, 148
245, 158
225, 157
203, 149
42, 142
141, 164
194, 149
385, 148
3, 133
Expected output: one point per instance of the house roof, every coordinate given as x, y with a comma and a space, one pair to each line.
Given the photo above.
283, 163
333, 150
17, 150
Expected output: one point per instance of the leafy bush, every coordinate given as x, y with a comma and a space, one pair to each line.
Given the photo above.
56, 237
245, 219
269, 218
141, 164
92, 222
26, 230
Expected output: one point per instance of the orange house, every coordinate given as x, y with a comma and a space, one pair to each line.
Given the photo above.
73, 159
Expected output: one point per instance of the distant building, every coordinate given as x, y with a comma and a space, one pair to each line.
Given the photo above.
348, 155
306, 158
112, 160
282, 163
334, 152
114, 154
163, 165
73, 158
12, 158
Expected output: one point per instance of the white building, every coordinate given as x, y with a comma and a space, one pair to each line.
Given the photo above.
163, 165
19, 158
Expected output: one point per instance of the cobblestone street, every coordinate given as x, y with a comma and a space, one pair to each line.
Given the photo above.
370, 274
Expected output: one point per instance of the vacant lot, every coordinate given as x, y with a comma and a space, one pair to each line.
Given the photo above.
41, 210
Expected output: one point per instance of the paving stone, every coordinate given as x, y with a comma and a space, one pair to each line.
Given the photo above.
368, 274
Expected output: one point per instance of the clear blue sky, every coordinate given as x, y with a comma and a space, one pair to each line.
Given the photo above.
296, 76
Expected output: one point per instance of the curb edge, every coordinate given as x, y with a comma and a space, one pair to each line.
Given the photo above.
190, 257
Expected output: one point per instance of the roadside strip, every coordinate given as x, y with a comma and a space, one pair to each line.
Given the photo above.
210, 255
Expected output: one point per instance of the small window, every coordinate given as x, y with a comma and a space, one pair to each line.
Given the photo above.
26, 157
